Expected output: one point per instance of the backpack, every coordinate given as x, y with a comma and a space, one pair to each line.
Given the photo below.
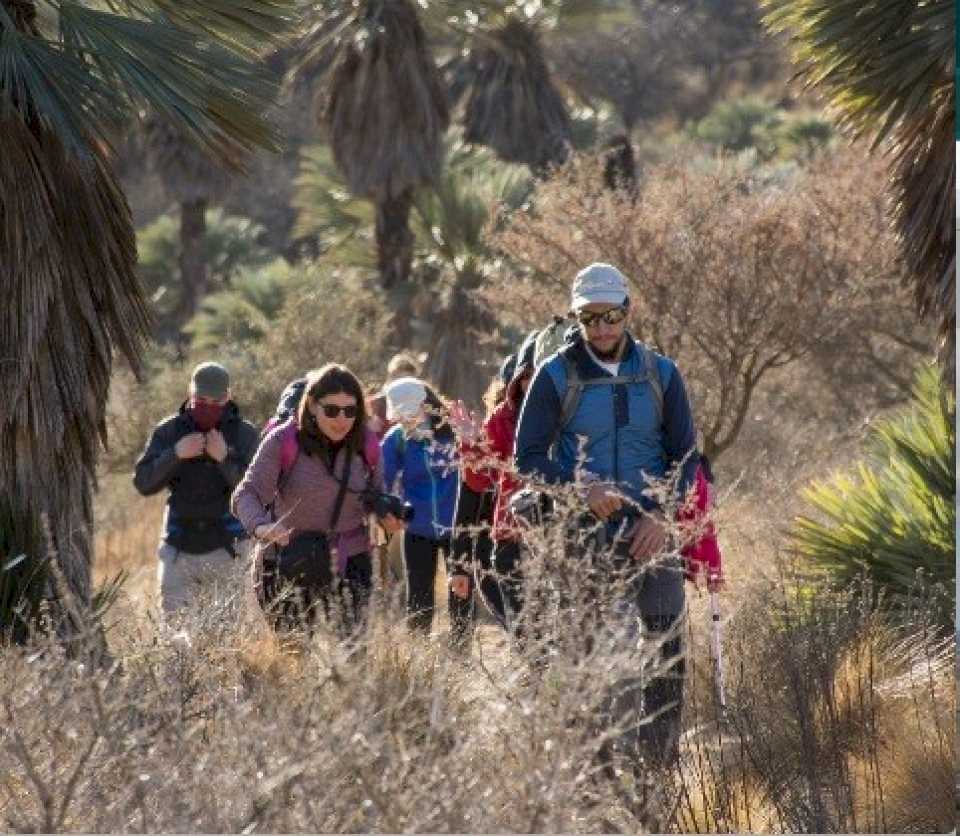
287, 406
576, 385
550, 340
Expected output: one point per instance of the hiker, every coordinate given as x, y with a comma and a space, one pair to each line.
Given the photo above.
400, 365
488, 459
306, 498
420, 456
199, 455
472, 550
389, 550
606, 411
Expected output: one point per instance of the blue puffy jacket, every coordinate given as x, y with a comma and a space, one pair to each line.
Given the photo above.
429, 480
623, 438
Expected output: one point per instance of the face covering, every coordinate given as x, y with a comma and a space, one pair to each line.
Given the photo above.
206, 415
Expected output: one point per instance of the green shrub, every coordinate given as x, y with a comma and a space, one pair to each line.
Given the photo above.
895, 519
232, 243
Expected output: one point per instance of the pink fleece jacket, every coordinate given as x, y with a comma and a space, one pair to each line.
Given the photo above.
306, 498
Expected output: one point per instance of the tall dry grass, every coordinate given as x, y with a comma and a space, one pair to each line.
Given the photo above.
839, 720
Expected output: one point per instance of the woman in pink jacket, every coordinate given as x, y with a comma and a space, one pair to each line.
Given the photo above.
305, 498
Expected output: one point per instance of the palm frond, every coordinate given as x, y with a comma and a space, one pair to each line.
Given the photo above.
385, 108
244, 24
326, 208
512, 105
888, 69
215, 96
452, 217
41, 83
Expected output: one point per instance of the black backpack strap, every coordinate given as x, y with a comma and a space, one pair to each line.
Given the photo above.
341, 491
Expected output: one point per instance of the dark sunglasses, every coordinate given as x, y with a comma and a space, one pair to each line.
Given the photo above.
331, 410
611, 317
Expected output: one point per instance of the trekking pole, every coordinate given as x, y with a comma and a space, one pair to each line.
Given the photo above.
717, 649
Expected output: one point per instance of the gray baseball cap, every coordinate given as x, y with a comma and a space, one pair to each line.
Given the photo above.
210, 380
601, 283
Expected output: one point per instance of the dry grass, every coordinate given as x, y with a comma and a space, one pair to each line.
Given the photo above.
839, 720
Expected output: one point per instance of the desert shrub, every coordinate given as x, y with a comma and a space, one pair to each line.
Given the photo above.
734, 272
828, 693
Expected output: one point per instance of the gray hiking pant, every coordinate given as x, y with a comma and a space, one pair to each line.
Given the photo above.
647, 622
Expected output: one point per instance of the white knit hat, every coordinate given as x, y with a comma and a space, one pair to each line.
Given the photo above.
598, 283
405, 396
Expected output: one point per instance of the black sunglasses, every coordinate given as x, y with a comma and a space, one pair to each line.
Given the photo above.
611, 317
331, 410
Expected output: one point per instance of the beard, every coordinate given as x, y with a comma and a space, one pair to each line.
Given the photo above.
609, 356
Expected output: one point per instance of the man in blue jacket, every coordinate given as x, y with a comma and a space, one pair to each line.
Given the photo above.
607, 410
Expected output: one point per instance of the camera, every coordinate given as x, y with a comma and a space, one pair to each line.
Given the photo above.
382, 504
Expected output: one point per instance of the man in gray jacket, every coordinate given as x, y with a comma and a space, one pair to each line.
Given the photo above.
199, 455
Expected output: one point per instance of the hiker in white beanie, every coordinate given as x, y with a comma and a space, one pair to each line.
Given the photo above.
420, 462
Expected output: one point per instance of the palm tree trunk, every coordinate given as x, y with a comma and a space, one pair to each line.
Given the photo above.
394, 238
71, 299
455, 361
193, 261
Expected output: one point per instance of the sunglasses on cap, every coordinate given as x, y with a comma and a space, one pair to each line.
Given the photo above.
611, 317
331, 410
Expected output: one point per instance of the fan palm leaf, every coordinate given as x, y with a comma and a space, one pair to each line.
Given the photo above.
888, 69
451, 222
67, 274
512, 105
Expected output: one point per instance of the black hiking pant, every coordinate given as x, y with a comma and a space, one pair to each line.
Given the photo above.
472, 555
421, 556
649, 703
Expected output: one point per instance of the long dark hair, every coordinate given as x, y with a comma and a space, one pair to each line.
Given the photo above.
333, 379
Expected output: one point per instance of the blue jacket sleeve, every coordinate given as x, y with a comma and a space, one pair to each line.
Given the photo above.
535, 430
389, 454
679, 434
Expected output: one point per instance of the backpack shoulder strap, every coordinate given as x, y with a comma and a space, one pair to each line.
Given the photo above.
576, 384
653, 377
289, 449
371, 449
571, 396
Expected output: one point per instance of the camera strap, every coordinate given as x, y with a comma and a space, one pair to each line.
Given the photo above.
342, 490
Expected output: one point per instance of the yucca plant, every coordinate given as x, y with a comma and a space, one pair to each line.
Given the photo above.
72, 75
888, 69
327, 211
448, 223
230, 245
241, 315
894, 520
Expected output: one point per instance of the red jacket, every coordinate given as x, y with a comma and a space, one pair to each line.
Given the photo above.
500, 430
703, 555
